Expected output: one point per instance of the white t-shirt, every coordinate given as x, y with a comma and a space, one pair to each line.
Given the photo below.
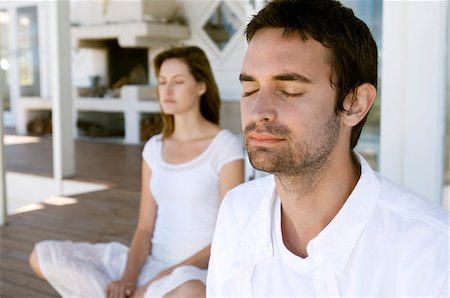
284, 274
187, 196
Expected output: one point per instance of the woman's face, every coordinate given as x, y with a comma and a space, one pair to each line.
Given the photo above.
178, 90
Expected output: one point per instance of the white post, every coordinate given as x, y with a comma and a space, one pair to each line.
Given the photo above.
3, 202
61, 92
413, 94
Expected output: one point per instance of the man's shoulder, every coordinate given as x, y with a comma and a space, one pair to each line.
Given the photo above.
409, 225
252, 189
249, 195
257, 184
408, 206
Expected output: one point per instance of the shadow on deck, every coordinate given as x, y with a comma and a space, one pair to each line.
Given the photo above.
102, 216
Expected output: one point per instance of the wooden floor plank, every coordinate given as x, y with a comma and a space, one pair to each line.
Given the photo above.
36, 286
102, 216
8, 290
99, 162
9, 264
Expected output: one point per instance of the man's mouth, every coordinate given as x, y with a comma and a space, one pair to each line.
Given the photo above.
261, 138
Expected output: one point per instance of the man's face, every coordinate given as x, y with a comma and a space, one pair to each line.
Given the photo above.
287, 105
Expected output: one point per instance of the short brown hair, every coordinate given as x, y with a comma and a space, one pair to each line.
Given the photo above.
353, 50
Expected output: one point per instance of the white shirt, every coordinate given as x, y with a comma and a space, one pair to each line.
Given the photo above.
384, 242
284, 274
187, 195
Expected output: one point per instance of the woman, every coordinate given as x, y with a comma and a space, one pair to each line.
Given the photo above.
186, 171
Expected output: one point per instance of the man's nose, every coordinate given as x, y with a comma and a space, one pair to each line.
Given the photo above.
263, 107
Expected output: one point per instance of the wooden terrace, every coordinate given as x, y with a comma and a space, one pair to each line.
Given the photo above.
101, 216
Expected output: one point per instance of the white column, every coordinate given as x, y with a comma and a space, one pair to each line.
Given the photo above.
132, 131
413, 94
3, 199
61, 92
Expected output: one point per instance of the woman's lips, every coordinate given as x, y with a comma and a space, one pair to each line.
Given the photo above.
168, 101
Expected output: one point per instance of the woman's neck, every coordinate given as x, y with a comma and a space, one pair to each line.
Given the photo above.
192, 127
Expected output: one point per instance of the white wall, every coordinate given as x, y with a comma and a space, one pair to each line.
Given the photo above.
227, 63
413, 94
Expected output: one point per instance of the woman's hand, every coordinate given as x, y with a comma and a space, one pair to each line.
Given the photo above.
139, 292
120, 289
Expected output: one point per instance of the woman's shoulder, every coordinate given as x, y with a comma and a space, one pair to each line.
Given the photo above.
228, 144
150, 147
227, 138
154, 139
228, 135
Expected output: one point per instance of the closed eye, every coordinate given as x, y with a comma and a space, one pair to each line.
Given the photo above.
291, 95
248, 93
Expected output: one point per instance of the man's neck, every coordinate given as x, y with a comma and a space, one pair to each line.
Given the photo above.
309, 204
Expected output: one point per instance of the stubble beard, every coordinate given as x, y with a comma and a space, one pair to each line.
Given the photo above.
307, 158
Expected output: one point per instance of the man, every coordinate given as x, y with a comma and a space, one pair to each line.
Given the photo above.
324, 224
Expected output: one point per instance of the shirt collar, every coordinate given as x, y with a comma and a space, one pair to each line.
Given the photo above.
255, 243
258, 231
335, 243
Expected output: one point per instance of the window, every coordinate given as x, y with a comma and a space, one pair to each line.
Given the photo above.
446, 190
28, 51
447, 146
369, 143
222, 25
4, 60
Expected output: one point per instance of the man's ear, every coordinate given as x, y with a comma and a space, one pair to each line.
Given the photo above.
201, 89
357, 104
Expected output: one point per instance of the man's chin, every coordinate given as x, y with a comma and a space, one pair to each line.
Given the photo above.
261, 164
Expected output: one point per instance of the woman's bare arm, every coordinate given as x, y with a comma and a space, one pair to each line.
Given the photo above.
141, 244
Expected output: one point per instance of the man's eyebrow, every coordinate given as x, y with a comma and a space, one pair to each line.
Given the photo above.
281, 77
292, 77
246, 78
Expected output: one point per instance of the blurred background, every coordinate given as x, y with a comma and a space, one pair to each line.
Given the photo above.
90, 63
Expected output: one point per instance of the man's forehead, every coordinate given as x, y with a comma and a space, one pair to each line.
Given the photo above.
271, 53
272, 42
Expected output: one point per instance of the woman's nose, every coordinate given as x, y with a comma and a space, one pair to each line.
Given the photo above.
168, 88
